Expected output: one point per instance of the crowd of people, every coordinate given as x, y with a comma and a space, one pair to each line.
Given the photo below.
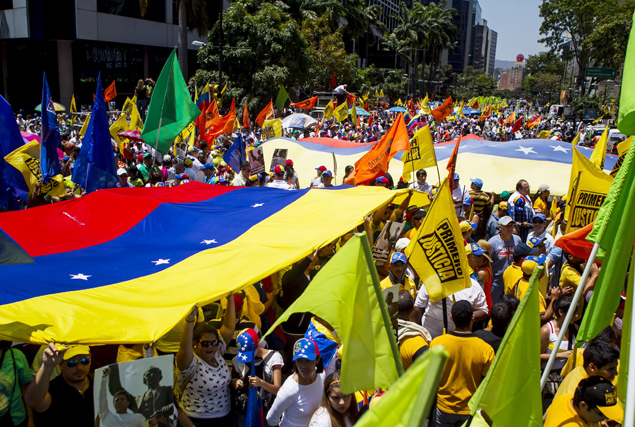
506, 235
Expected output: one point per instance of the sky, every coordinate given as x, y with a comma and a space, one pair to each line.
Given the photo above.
517, 24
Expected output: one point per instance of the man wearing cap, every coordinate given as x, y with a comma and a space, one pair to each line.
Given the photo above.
595, 400
539, 222
208, 171
518, 289
382, 181
513, 273
397, 276
481, 204
327, 177
492, 222
318, 180
420, 184
145, 167
414, 219
459, 196
189, 170
243, 176
68, 398
467, 228
278, 180
122, 175
540, 205
502, 254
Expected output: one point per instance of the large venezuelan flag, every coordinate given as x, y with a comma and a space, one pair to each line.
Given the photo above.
125, 265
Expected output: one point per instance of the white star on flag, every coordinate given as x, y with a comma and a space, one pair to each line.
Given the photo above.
209, 242
243, 357
526, 150
257, 205
79, 276
560, 148
161, 261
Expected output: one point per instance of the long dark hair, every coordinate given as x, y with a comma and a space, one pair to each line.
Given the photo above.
337, 419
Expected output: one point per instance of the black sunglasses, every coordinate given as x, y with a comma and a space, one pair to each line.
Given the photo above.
84, 361
214, 343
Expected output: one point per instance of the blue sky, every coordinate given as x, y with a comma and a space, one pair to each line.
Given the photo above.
517, 23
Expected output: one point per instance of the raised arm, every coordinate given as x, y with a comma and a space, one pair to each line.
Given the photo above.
185, 354
37, 394
229, 320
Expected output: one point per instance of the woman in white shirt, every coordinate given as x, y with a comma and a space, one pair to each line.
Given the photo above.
301, 393
337, 409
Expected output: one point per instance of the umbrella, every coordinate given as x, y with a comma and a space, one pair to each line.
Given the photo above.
468, 111
397, 110
133, 135
58, 107
298, 121
360, 112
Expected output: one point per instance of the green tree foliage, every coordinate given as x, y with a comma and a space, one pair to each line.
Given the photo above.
544, 62
472, 83
610, 36
267, 49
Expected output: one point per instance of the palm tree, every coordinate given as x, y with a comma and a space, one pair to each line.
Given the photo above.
401, 49
411, 29
441, 34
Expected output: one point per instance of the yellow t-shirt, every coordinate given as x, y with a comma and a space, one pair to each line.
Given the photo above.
408, 285
470, 359
570, 278
540, 207
571, 381
562, 414
520, 290
513, 274
171, 341
408, 349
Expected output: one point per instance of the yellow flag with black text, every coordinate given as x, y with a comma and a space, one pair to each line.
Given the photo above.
421, 154
437, 253
328, 110
622, 149
119, 126
341, 112
26, 159
272, 128
588, 187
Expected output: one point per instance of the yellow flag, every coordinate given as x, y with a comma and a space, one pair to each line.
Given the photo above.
127, 106
341, 112
460, 111
134, 99
272, 128
119, 126
135, 119
365, 96
354, 115
622, 149
188, 135
421, 154
399, 102
599, 152
73, 109
544, 134
328, 110
424, 105
381, 93
223, 90
588, 187
437, 253
576, 140
26, 159
84, 128
595, 122
376, 94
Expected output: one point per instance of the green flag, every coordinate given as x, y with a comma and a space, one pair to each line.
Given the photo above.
408, 402
281, 99
171, 109
614, 230
343, 294
515, 373
626, 119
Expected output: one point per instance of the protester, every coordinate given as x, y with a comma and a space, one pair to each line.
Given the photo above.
279, 181
15, 376
502, 255
336, 409
492, 228
420, 184
413, 339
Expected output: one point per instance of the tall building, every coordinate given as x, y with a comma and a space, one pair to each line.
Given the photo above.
490, 64
460, 57
388, 8
513, 78
484, 48
74, 40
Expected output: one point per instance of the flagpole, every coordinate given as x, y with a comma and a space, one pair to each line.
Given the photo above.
570, 313
382, 305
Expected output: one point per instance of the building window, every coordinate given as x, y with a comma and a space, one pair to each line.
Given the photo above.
155, 10
6, 4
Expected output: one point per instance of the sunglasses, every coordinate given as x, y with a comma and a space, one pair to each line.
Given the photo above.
214, 343
84, 361
538, 221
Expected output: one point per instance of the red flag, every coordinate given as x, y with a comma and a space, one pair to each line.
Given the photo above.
486, 114
411, 107
375, 162
307, 104
517, 124
265, 114
333, 80
351, 99
443, 110
202, 119
212, 111
370, 122
451, 167
500, 120
245, 117
232, 107
110, 92
474, 104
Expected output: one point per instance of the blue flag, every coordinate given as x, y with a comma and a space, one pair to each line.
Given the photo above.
255, 413
51, 140
95, 167
11, 180
236, 154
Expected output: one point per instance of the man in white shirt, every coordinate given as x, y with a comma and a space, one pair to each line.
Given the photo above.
459, 195
430, 315
539, 222
420, 184
243, 176
278, 180
522, 190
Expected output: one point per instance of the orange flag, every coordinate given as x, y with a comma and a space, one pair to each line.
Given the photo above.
265, 114
451, 167
374, 163
411, 107
110, 92
213, 109
486, 114
307, 104
245, 117
533, 122
517, 125
443, 110
511, 118
474, 104
220, 125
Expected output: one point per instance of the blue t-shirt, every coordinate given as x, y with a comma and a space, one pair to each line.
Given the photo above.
502, 256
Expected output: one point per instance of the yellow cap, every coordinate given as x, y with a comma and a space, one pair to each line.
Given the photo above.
75, 350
